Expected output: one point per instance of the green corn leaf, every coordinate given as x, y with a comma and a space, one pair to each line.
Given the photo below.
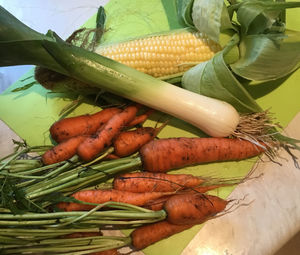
211, 17
214, 79
258, 16
268, 57
184, 12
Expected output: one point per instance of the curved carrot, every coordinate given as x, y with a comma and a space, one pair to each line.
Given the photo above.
129, 142
96, 143
63, 151
140, 118
158, 204
146, 235
194, 208
81, 125
166, 154
159, 182
102, 196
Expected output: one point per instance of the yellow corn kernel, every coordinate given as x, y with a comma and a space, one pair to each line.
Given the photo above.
164, 54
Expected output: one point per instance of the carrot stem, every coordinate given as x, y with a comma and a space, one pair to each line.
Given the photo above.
76, 181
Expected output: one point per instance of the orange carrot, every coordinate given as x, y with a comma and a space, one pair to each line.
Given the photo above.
102, 196
111, 156
140, 118
81, 125
158, 204
146, 235
159, 182
95, 144
62, 151
166, 154
129, 142
193, 208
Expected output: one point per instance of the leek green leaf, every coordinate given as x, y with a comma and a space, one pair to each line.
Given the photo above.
12, 29
268, 57
34, 53
184, 12
258, 16
214, 79
211, 17
15, 36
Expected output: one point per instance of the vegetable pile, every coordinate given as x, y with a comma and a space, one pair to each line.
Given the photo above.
110, 171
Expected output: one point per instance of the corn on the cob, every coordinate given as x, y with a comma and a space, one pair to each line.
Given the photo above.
164, 54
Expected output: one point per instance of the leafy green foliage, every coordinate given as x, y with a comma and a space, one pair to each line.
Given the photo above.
258, 16
214, 79
268, 57
184, 9
211, 17
266, 50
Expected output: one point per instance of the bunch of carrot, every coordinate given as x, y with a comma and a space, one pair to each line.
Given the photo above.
181, 196
89, 135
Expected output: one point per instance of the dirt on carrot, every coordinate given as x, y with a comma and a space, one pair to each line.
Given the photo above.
81, 125
96, 143
172, 153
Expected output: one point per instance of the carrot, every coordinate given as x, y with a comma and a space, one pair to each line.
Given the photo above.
159, 182
96, 143
158, 204
146, 235
111, 156
129, 142
62, 151
102, 196
193, 208
166, 154
140, 118
81, 125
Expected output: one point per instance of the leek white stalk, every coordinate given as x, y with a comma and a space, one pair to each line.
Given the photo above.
214, 117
